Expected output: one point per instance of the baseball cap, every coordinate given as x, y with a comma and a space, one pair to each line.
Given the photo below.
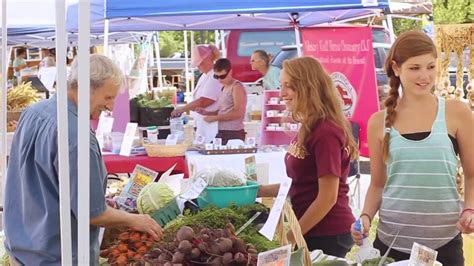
199, 53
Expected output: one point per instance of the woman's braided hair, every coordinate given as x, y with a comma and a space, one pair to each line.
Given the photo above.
408, 44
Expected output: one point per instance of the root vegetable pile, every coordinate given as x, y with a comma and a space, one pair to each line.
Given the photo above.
132, 246
207, 247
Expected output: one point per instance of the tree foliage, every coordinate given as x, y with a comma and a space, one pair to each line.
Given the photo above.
453, 11
401, 25
168, 44
173, 41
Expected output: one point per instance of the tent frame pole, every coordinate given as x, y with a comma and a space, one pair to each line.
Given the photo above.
3, 102
63, 134
84, 133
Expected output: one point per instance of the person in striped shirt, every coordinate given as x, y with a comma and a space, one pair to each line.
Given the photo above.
414, 148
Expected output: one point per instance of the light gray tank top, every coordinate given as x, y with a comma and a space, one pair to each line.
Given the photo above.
226, 105
420, 199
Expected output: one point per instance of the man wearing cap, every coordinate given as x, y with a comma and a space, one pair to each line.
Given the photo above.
208, 88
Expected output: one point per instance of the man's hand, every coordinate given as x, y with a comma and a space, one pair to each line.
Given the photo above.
211, 118
177, 112
144, 223
201, 111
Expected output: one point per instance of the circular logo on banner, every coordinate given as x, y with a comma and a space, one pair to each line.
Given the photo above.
347, 92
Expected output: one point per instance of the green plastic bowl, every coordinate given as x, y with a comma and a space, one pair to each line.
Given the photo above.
223, 197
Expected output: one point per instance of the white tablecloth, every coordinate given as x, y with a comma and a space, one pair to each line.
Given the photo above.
277, 168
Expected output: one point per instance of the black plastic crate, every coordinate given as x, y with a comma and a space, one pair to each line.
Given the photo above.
154, 116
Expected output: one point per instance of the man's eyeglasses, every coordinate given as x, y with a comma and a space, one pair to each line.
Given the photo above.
223, 76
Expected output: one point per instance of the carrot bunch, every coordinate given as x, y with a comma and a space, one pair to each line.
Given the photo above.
130, 248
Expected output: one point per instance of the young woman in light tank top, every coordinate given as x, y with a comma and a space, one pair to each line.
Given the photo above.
232, 104
414, 145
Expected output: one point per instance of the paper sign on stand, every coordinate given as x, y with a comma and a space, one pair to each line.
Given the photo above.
47, 75
422, 256
268, 229
141, 177
275, 257
173, 181
263, 173
251, 168
195, 189
127, 143
203, 128
166, 174
172, 139
104, 127
200, 140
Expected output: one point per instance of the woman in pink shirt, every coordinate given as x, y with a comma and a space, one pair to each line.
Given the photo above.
318, 158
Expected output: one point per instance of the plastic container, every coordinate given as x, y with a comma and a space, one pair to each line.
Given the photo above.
367, 250
166, 214
177, 127
113, 142
152, 134
224, 197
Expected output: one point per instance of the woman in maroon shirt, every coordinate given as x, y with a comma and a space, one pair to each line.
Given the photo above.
318, 158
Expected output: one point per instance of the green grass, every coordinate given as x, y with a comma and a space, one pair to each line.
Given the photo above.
372, 233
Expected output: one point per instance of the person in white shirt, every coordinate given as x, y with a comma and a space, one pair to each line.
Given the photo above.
208, 88
48, 58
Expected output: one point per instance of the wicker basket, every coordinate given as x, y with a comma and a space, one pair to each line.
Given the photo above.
162, 150
301, 255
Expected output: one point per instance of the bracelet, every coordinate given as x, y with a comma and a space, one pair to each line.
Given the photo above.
366, 215
465, 210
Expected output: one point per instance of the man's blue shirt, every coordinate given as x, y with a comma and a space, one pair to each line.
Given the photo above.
31, 209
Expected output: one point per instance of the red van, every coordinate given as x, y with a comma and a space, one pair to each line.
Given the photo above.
241, 43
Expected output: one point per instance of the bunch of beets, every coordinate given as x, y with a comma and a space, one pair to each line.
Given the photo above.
208, 247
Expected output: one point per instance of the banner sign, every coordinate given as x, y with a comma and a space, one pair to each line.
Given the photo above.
347, 54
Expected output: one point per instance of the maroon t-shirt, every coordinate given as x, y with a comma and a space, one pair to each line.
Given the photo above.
327, 156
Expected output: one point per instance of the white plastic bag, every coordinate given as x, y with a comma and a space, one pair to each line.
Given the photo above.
221, 177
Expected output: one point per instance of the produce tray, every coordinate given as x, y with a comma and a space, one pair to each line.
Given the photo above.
229, 151
166, 214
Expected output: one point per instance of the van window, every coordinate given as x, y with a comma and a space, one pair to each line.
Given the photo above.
380, 35
380, 54
269, 41
284, 55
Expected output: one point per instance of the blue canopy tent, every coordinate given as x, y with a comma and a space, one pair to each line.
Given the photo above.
26, 19
45, 38
145, 15
33, 23
125, 8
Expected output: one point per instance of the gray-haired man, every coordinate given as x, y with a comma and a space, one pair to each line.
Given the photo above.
31, 211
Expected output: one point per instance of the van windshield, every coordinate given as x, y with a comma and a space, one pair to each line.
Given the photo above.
269, 41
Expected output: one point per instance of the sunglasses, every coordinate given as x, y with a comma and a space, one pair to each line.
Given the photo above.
223, 76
